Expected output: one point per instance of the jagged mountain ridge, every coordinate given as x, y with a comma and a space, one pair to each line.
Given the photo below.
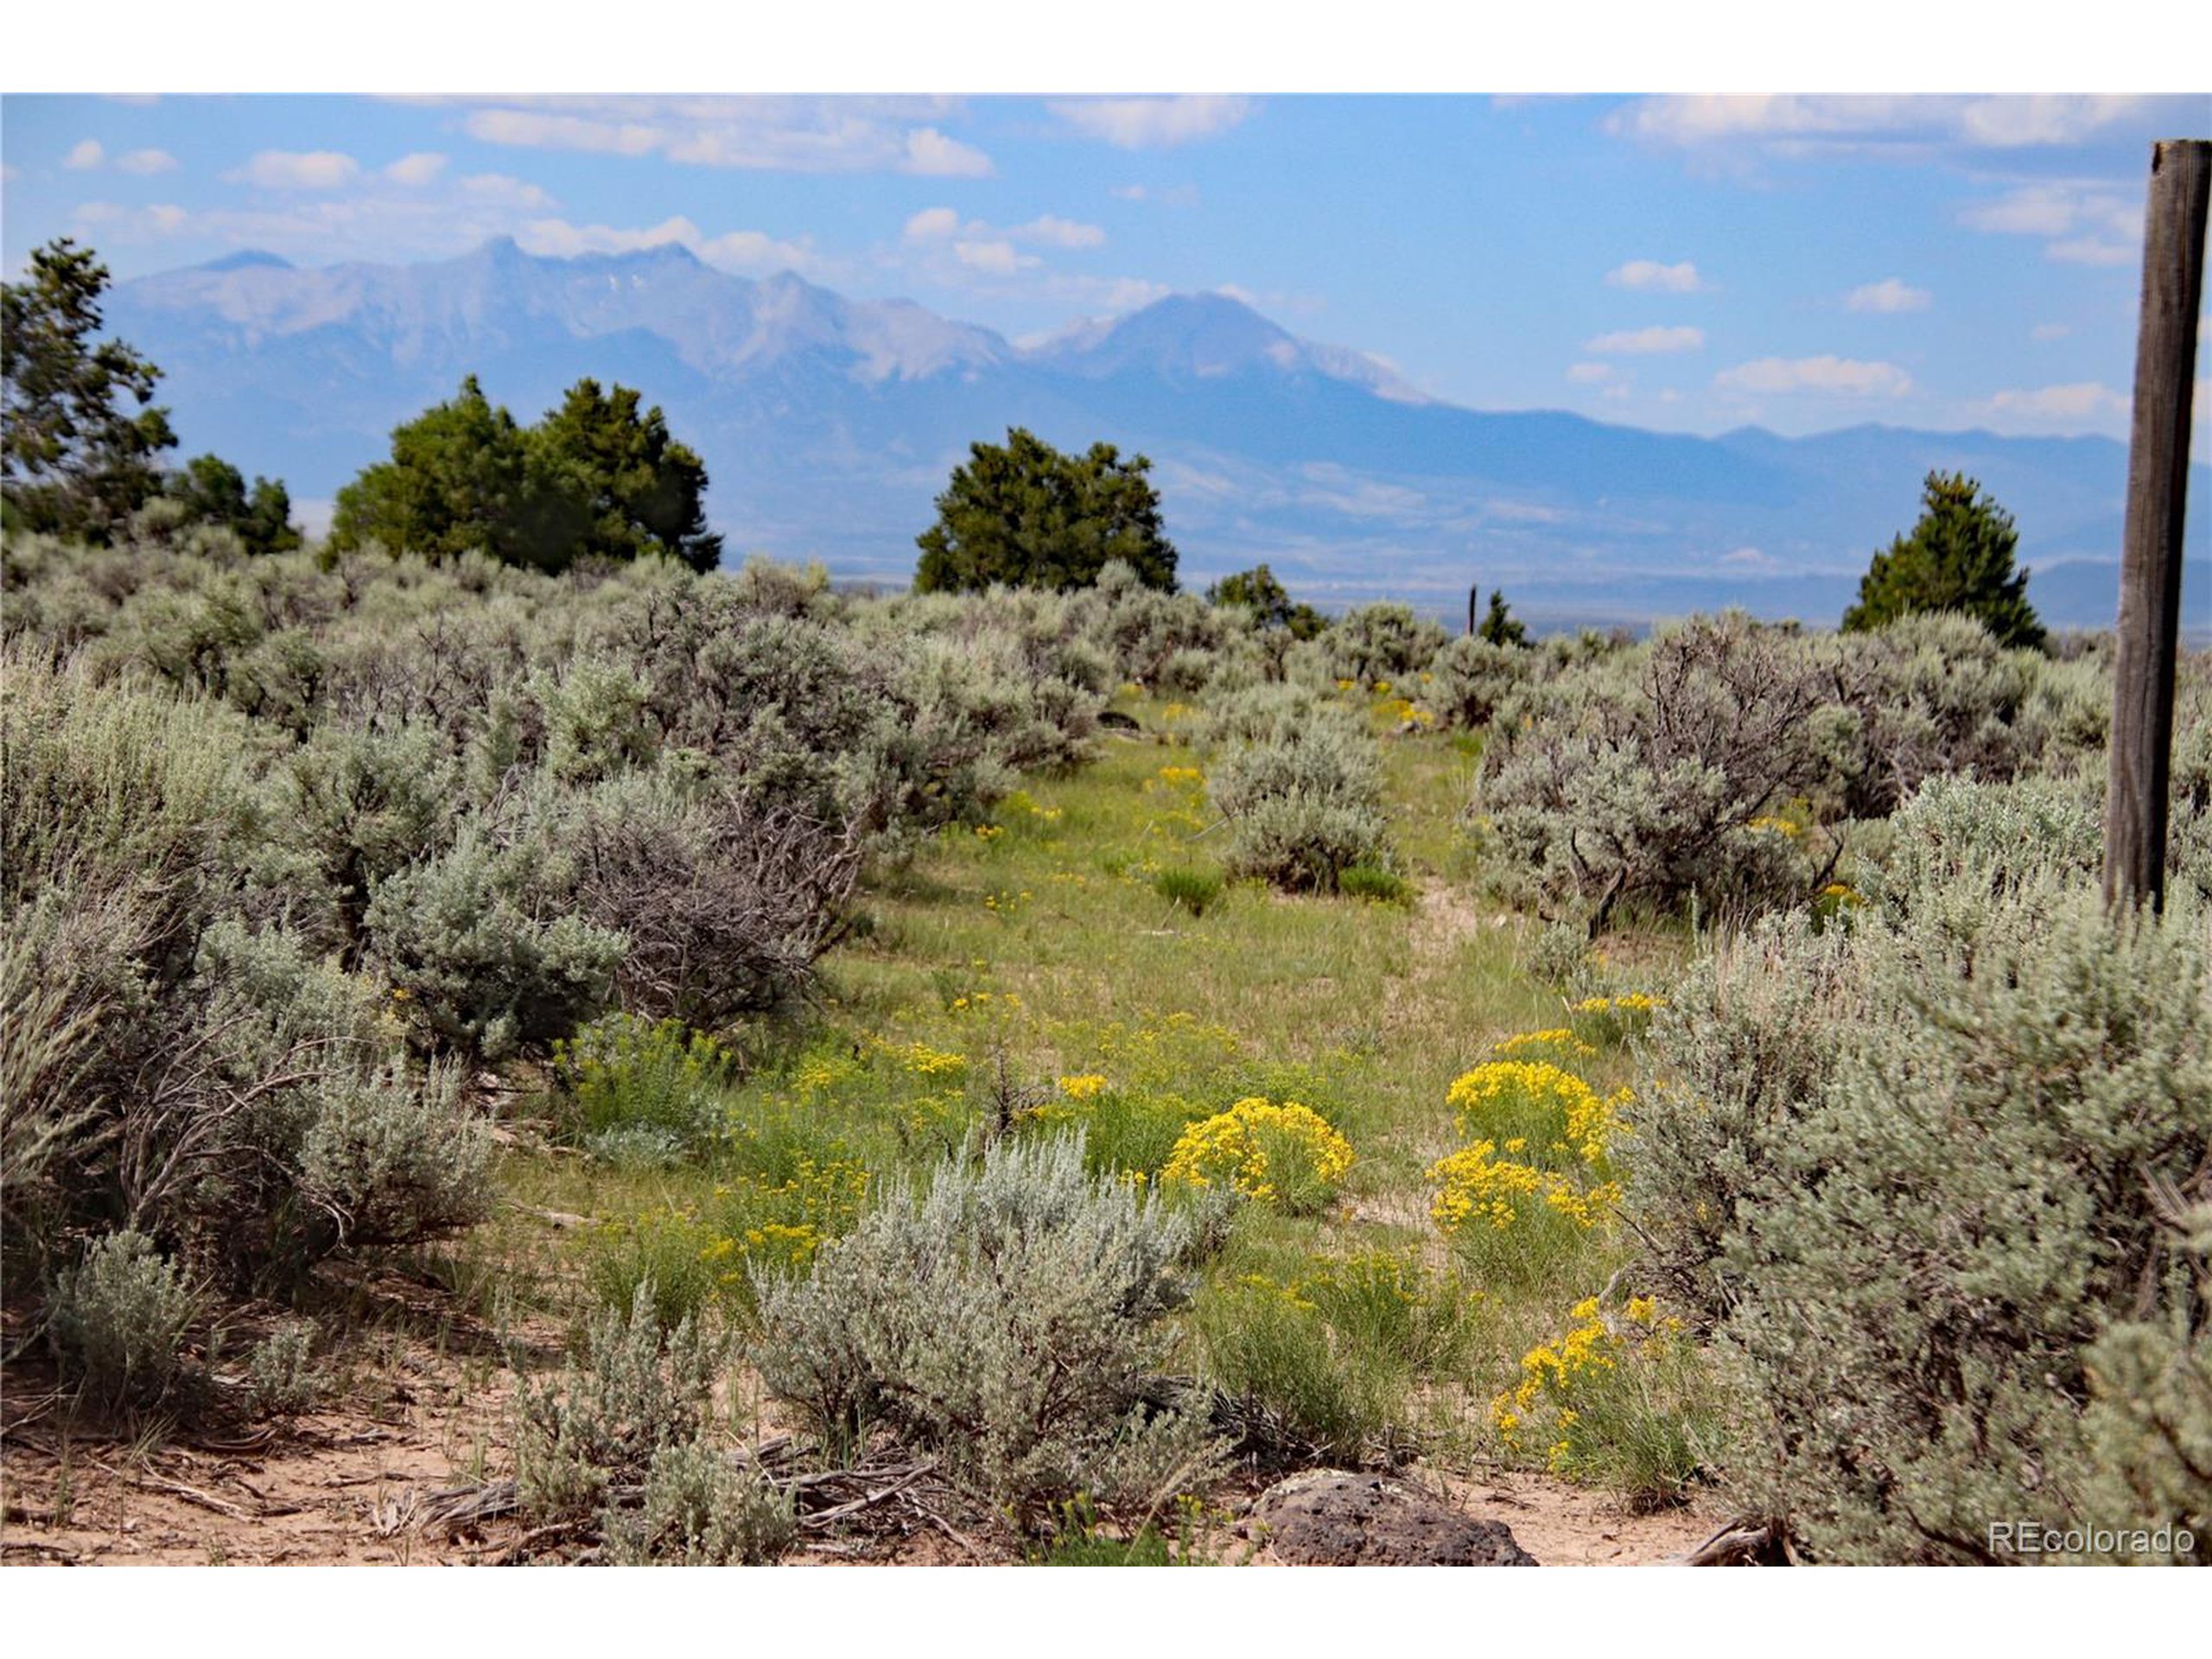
828, 425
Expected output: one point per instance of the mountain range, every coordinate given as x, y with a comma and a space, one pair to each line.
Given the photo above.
829, 425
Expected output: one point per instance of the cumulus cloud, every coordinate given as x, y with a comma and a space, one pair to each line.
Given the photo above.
796, 134
286, 169
1048, 230
113, 219
85, 155
749, 253
498, 190
1651, 274
1152, 123
1806, 123
376, 217
930, 153
932, 224
2082, 403
1052, 231
2087, 221
2091, 251
1589, 374
1642, 341
1891, 294
144, 163
1824, 374
419, 169
999, 258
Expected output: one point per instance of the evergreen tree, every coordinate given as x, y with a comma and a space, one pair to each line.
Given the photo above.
212, 492
1026, 515
459, 478
1259, 592
78, 455
1499, 625
626, 488
593, 479
1959, 557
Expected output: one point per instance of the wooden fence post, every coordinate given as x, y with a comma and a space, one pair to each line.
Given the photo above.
2151, 550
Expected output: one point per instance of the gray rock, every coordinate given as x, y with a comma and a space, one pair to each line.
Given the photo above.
1328, 1517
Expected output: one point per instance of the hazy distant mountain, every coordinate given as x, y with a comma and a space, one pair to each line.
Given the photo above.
829, 425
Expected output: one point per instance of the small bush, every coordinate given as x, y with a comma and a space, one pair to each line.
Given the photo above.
1303, 806
1621, 1399
1008, 1317
1381, 644
1283, 1155
117, 1322
1376, 884
703, 1509
637, 1389
1194, 890
622, 1074
279, 1379
465, 936
1293, 1390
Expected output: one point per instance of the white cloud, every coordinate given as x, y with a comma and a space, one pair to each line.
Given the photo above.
1750, 558
1152, 123
2058, 207
796, 135
751, 252
994, 258
1048, 230
1053, 231
1891, 294
110, 217
285, 169
2085, 402
144, 163
498, 190
932, 224
2090, 250
1651, 274
1588, 374
1800, 123
2094, 223
85, 155
1641, 341
2050, 331
419, 169
539, 129
1836, 374
930, 153
2006, 123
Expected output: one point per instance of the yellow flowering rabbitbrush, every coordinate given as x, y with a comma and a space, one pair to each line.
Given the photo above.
1279, 1153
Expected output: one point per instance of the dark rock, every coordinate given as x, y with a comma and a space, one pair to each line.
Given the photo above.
1327, 1518
1114, 719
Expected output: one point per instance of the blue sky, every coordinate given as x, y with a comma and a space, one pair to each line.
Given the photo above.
1672, 262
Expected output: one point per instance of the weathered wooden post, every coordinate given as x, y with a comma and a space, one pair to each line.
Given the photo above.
1474, 595
2150, 548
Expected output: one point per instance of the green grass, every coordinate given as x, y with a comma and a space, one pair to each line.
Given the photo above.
1078, 961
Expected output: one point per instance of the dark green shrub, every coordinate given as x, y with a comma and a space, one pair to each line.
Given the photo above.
1191, 889
1374, 882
